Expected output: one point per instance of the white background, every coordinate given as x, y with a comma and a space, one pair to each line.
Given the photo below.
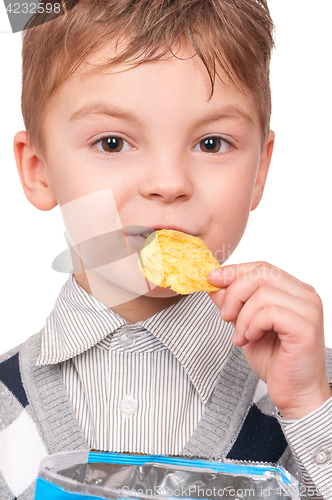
291, 228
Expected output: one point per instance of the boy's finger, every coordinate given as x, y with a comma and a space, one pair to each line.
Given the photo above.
218, 297
266, 297
288, 324
226, 275
242, 280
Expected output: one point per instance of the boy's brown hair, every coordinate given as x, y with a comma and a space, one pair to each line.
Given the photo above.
235, 34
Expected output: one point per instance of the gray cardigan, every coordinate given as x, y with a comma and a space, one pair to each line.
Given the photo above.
34, 404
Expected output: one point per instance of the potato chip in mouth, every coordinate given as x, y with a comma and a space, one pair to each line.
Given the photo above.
179, 261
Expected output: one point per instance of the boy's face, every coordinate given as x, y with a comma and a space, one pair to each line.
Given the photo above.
170, 158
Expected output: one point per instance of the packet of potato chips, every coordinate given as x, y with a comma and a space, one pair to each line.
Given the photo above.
179, 261
93, 475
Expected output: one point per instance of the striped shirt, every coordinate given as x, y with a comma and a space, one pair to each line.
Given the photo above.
143, 387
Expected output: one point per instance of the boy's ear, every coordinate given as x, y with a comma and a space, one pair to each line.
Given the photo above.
33, 174
263, 170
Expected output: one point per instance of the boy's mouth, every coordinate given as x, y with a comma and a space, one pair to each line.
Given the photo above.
146, 234
136, 235
145, 231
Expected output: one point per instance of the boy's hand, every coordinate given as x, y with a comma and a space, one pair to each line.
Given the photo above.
278, 322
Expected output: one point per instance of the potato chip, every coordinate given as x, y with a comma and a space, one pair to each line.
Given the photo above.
179, 261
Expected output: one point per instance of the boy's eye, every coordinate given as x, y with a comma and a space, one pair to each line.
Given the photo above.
112, 144
115, 144
213, 144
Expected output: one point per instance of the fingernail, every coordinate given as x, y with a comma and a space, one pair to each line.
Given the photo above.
234, 336
222, 310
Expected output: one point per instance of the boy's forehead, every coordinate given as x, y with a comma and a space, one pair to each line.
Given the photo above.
182, 74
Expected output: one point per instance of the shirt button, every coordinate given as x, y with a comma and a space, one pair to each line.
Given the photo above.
321, 457
126, 338
128, 405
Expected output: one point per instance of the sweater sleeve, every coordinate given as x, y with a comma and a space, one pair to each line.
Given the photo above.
310, 439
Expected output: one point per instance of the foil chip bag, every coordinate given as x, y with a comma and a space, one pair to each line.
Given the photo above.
94, 475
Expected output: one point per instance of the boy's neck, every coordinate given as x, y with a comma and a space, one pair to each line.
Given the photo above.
137, 309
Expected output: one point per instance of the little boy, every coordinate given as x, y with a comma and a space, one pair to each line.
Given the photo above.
143, 115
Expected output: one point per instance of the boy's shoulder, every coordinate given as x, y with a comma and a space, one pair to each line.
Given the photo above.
7, 355
19, 435
20, 347
10, 365
13, 395
14, 373
10, 376
35, 418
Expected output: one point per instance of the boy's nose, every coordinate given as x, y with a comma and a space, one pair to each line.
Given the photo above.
167, 179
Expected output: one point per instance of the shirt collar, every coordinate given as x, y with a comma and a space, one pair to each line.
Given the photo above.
192, 329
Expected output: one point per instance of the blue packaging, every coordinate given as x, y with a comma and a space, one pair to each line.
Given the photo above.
93, 475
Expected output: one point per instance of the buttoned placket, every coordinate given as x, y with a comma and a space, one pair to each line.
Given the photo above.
128, 404
121, 341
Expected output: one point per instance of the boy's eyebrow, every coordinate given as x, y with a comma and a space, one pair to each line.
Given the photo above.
90, 109
102, 109
229, 111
